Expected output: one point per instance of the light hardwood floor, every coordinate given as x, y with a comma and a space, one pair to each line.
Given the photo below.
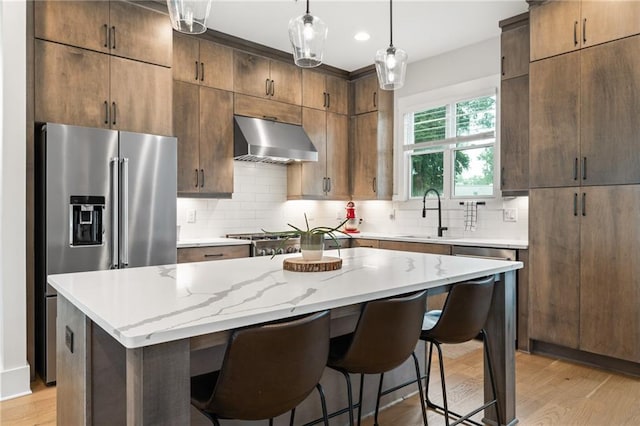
549, 392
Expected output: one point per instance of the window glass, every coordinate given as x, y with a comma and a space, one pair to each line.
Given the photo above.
473, 172
427, 171
475, 116
430, 125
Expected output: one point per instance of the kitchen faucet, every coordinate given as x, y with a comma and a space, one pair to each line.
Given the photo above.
424, 209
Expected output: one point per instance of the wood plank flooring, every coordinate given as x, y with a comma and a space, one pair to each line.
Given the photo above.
549, 392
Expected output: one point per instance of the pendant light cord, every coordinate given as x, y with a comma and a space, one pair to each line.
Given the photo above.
307, 7
390, 23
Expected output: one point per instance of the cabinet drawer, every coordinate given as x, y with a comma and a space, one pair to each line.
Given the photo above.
201, 254
416, 247
263, 108
356, 242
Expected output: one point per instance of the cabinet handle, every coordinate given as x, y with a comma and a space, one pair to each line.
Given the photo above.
201, 178
197, 78
113, 39
273, 87
575, 204
575, 33
106, 35
375, 186
502, 65
113, 104
324, 99
584, 31
584, 204
324, 184
575, 169
202, 69
502, 176
266, 87
328, 100
214, 255
328, 184
106, 112
375, 99
584, 168
270, 117
197, 180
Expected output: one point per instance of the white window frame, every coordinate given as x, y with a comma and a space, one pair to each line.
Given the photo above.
448, 96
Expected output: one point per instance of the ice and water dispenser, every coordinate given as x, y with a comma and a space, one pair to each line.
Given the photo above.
86, 216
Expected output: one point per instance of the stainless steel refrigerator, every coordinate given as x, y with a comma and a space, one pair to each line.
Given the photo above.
105, 199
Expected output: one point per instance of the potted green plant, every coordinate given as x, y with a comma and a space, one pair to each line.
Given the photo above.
312, 239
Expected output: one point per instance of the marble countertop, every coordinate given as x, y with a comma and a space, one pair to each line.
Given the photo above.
155, 304
211, 242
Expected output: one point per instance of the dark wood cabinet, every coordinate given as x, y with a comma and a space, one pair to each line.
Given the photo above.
203, 254
366, 94
263, 108
265, 78
324, 92
202, 62
327, 178
116, 27
205, 144
514, 46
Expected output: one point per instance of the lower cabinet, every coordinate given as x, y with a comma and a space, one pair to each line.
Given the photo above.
584, 285
201, 254
361, 242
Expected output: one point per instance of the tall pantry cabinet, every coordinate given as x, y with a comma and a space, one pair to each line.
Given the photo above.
585, 177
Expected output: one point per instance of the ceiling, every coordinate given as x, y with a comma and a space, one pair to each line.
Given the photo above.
422, 28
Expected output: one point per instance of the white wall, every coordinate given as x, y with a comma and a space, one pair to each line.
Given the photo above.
14, 370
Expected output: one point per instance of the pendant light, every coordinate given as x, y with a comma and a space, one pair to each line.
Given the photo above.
189, 16
307, 34
391, 63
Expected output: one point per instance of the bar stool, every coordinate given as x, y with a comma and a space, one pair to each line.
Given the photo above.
385, 336
266, 371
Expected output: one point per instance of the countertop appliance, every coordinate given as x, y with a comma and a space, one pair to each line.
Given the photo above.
263, 244
105, 199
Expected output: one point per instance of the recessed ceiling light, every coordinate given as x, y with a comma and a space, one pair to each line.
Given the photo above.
362, 36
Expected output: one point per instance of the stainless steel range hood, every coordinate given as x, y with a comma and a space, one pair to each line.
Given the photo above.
269, 141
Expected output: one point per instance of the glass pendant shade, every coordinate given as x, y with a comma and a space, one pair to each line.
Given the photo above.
391, 66
189, 16
307, 34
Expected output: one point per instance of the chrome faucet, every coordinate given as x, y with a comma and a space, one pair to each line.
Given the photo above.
424, 209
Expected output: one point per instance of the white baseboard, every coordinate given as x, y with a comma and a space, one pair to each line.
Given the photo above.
15, 382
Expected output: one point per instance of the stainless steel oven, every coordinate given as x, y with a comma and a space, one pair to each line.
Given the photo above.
263, 244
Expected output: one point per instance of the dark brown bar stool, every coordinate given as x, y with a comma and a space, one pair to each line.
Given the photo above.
386, 335
267, 371
462, 319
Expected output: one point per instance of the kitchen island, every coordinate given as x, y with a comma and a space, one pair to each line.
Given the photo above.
125, 336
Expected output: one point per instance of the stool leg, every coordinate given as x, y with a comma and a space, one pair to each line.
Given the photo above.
349, 396
420, 392
490, 366
426, 391
293, 415
360, 398
271, 421
375, 417
444, 387
323, 401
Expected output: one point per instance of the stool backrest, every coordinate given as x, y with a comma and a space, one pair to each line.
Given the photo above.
387, 333
268, 370
465, 311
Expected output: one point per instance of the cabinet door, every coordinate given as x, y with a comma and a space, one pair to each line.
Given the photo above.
71, 85
186, 125
554, 254
314, 173
554, 118
264, 108
251, 74
416, 247
609, 272
313, 89
77, 23
216, 65
610, 110
338, 91
202, 254
216, 140
142, 104
287, 83
514, 131
515, 52
364, 156
366, 94
555, 28
606, 20
186, 60
338, 155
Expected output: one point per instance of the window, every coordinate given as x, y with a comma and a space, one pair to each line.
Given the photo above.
450, 147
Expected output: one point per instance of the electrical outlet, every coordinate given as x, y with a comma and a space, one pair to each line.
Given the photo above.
191, 216
510, 215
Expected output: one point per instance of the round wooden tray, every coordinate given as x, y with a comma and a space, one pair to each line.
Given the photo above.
298, 264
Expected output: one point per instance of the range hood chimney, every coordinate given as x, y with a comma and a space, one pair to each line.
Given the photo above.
267, 141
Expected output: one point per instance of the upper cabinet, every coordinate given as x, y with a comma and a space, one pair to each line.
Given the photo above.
116, 27
564, 26
325, 92
202, 62
366, 94
266, 78
514, 101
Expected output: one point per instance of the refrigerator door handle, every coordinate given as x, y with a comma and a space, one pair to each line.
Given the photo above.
114, 212
124, 261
